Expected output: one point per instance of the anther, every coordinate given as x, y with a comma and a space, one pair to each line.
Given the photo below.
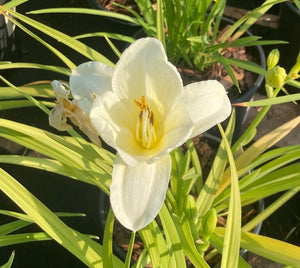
145, 131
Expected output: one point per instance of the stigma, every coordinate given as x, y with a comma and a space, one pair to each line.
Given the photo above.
145, 131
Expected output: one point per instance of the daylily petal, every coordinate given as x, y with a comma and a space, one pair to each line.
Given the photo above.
112, 119
88, 80
137, 194
144, 70
207, 104
57, 119
109, 115
60, 92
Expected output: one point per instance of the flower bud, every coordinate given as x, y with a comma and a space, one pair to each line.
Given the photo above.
209, 223
190, 207
275, 77
273, 59
202, 246
296, 68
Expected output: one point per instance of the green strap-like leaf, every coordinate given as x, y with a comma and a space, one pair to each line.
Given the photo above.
49, 165
86, 11
42, 91
173, 239
258, 148
228, 69
207, 195
23, 238
60, 55
147, 11
270, 209
51, 224
59, 36
217, 242
160, 23
149, 239
270, 101
280, 180
13, 104
27, 65
247, 65
12, 226
116, 36
9, 262
14, 3
188, 244
107, 240
231, 245
267, 247
60, 149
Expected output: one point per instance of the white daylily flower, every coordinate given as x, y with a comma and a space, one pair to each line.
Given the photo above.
144, 112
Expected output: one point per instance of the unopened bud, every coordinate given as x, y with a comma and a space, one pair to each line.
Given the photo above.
275, 77
190, 207
202, 246
273, 59
296, 68
209, 223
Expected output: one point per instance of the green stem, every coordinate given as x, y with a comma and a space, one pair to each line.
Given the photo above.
129, 252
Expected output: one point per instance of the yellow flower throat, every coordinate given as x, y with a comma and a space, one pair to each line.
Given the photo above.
145, 131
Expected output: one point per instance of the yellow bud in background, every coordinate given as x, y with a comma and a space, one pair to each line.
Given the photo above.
273, 59
295, 69
275, 77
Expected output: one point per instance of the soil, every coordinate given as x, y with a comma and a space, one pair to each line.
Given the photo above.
217, 71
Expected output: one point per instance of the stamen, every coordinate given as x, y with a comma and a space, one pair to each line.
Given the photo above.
145, 131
